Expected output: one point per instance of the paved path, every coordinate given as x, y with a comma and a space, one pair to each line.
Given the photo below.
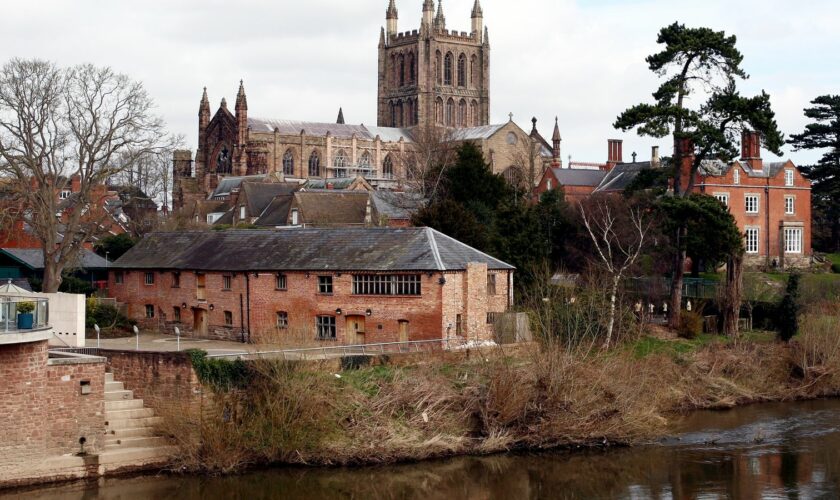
167, 343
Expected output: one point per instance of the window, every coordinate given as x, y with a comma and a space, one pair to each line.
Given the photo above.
736, 176
386, 284
548, 184
439, 111
149, 278
64, 194
325, 284
226, 282
119, 278
282, 319
340, 163
491, 318
751, 203
789, 205
447, 69
364, 161
752, 240
295, 216
288, 163
450, 112
474, 113
314, 165
458, 325
401, 70
723, 198
176, 280
242, 212
325, 327
462, 113
411, 68
793, 240
280, 282
438, 66
388, 168
150, 311
462, 70
491, 284
228, 318
176, 314
788, 178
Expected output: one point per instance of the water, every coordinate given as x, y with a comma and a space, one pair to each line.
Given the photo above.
788, 451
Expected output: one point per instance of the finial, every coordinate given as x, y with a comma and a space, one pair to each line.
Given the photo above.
340, 119
556, 136
224, 103
391, 13
634, 156
534, 124
476, 12
511, 116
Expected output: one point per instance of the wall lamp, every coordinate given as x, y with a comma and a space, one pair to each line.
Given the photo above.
184, 305
369, 312
442, 280
212, 307
338, 311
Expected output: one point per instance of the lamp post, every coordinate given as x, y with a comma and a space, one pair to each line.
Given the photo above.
137, 335
96, 327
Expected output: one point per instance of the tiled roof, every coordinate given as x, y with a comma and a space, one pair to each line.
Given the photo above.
578, 177
327, 208
341, 130
34, 258
341, 249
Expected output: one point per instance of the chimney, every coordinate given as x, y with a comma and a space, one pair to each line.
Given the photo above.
751, 149
614, 152
654, 157
75, 183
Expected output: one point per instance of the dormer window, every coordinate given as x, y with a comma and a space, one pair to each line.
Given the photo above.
295, 217
64, 194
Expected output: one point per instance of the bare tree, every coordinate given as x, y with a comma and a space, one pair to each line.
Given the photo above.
426, 159
59, 124
618, 243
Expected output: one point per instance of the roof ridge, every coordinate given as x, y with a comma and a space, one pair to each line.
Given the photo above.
470, 247
435, 252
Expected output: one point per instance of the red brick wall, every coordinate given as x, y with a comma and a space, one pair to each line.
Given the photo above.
42, 409
572, 194
300, 300
165, 381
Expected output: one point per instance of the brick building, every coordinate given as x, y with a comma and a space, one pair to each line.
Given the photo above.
348, 285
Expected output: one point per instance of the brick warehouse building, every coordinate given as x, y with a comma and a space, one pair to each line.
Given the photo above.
348, 285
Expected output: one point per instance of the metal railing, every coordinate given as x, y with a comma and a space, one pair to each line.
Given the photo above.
326, 352
9, 312
87, 351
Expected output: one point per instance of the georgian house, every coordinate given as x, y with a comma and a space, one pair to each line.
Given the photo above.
345, 285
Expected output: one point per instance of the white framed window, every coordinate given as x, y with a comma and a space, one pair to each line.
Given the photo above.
793, 240
64, 194
150, 311
751, 240
736, 176
295, 217
751, 203
242, 213
790, 205
280, 282
723, 198
149, 278
548, 185
788, 177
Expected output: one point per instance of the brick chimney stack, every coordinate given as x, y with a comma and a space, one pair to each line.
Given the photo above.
614, 155
751, 149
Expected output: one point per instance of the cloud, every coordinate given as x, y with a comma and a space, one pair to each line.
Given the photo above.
582, 61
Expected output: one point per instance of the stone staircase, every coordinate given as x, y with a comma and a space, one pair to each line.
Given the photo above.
130, 436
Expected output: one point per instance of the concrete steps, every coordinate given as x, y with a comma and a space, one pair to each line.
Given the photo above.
130, 436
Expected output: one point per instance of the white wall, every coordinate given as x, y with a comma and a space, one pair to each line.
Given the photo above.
67, 318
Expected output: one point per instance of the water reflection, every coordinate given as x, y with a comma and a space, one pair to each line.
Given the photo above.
766, 451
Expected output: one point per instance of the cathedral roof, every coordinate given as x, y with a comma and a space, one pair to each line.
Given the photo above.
341, 130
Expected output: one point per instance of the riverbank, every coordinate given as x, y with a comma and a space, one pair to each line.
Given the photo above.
544, 397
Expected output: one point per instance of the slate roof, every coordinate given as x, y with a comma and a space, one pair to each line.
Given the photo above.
341, 130
228, 184
621, 176
578, 177
332, 207
259, 194
34, 258
342, 249
475, 133
277, 212
396, 205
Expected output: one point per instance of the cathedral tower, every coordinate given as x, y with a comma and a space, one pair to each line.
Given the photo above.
434, 76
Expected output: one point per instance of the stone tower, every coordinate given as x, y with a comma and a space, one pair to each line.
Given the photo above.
433, 76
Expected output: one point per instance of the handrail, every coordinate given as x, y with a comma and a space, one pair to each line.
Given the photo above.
346, 349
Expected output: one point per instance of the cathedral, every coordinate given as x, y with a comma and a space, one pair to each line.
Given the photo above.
429, 79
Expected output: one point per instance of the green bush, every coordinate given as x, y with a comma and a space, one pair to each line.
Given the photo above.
25, 307
789, 309
835, 268
691, 325
105, 315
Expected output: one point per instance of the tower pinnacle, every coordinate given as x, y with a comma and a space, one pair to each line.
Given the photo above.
241, 100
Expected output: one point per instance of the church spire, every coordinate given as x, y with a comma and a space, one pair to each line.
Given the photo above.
476, 12
340, 119
241, 100
204, 107
477, 20
555, 140
391, 17
440, 19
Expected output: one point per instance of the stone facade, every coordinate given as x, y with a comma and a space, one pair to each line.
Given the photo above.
434, 76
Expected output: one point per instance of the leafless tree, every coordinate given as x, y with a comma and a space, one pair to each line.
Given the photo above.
426, 159
59, 123
618, 243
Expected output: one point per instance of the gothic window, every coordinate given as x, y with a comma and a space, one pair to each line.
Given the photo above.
401, 69
409, 112
399, 122
314, 165
450, 112
447, 69
394, 69
437, 67
223, 161
462, 70
388, 167
439, 111
393, 114
474, 113
473, 74
340, 163
288, 163
462, 113
412, 69
364, 161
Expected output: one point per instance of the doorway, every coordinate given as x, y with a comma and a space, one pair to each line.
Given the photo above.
403, 329
200, 322
355, 329
200, 282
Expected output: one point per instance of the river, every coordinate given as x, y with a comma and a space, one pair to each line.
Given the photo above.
789, 450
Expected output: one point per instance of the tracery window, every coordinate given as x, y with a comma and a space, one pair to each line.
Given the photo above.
474, 113
288, 163
314, 164
340, 163
388, 167
462, 113
364, 161
447, 69
439, 111
412, 69
462, 70
450, 112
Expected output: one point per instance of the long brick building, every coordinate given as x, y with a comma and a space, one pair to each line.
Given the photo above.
348, 285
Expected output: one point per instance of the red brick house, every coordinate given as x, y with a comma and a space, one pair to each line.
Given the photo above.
345, 285
576, 183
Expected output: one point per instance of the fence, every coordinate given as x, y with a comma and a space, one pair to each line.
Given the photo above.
693, 288
327, 352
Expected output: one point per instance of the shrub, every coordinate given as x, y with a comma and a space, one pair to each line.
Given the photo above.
25, 307
788, 311
691, 325
105, 315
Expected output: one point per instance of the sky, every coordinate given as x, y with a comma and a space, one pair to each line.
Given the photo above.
581, 61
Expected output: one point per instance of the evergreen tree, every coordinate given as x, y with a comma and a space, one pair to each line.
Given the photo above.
824, 134
788, 310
